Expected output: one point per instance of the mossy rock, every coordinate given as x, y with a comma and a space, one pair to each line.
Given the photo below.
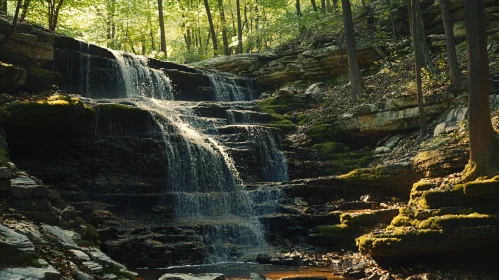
324, 133
11, 256
481, 187
39, 79
336, 234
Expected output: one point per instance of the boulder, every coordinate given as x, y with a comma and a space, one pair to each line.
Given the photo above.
11, 77
32, 273
10, 238
65, 237
26, 188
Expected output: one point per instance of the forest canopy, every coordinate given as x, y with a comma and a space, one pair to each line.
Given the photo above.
135, 26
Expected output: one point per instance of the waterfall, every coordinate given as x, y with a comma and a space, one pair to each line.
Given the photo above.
140, 80
208, 193
229, 87
203, 182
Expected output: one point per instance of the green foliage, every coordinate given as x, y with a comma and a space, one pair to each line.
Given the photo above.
11, 256
323, 133
133, 25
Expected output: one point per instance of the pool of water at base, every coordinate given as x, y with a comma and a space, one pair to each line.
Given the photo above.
242, 271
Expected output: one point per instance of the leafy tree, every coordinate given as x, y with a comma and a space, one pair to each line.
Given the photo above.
483, 141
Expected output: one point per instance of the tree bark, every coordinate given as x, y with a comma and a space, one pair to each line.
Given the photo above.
224, 27
323, 6
212, 28
455, 74
162, 26
314, 5
335, 6
483, 149
419, 36
298, 7
25, 9
16, 15
239, 29
353, 64
417, 55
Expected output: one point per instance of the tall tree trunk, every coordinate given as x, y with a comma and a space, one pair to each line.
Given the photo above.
417, 55
455, 74
224, 27
314, 5
16, 15
323, 6
162, 27
234, 29
239, 29
483, 149
298, 7
335, 5
353, 64
3, 7
25, 9
212, 28
418, 34
257, 27
151, 32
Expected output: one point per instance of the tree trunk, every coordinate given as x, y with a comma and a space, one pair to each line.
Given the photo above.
314, 5
335, 6
224, 27
417, 58
418, 34
483, 149
212, 28
239, 29
54, 7
162, 27
25, 9
16, 15
298, 7
3, 7
353, 64
455, 74
323, 6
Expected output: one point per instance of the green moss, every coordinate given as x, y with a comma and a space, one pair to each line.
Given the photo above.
52, 104
422, 185
283, 127
359, 220
90, 237
324, 133
40, 79
11, 256
282, 105
367, 176
340, 233
480, 187
452, 221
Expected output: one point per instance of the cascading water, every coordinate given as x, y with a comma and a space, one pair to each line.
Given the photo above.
207, 191
229, 87
140, 80
209, 196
